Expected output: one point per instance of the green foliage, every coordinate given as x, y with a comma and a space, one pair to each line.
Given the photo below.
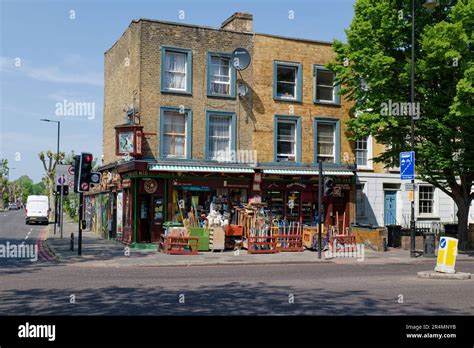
374, 68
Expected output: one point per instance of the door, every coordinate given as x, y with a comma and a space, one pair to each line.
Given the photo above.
144, 213
156, 217
390, 208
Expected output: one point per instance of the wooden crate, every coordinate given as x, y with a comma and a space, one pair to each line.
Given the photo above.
308, 235
262, 244
178, 245
216, 238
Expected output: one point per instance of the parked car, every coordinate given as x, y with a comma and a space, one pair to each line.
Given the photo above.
13, 206
37, 209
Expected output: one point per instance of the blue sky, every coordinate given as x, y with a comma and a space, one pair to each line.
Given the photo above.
47, 57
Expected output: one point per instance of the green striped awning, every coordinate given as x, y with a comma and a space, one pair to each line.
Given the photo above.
191, 168
307, 172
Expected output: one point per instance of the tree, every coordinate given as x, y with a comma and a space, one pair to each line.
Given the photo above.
4, 170
25, 187
373, 69
49, 161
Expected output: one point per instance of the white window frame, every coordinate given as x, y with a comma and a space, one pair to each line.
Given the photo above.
212, 76
295, 144
229, 119
316, 84
185, 134
167, 52
434, 210
295, 87
333, 156
369, 164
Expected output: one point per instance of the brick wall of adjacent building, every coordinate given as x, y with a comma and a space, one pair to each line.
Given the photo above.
266, 50
121, 85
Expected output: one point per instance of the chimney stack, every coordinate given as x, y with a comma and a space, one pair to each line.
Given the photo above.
239, 21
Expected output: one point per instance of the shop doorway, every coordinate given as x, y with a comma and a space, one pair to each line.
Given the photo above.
151, 216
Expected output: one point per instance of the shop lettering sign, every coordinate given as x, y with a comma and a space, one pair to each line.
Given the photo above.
227, 184
293, 184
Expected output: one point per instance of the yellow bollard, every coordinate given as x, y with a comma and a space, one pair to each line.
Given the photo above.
447, 252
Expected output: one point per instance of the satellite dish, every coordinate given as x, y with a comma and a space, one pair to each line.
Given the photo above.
240, 58
242, 89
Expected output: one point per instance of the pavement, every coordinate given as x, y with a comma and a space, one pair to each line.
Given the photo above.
98, 252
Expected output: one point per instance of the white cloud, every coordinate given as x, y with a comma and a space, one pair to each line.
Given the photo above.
49, 73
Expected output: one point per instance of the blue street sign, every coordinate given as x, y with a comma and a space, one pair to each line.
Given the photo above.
442, 243
407, 165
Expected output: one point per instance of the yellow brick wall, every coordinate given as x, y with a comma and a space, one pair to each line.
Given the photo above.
121, 85
266, 50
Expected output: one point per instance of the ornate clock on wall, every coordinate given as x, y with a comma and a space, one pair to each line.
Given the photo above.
128, 140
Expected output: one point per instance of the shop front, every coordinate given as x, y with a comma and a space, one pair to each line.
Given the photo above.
143, 198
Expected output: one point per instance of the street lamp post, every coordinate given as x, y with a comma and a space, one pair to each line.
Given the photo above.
429, 4
61, 198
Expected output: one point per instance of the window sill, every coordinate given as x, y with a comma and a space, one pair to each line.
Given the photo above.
322, 102
428, 217
296, 100
221, 96
170, 91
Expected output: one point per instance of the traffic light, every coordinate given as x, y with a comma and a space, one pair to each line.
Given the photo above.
328, 186
85, 168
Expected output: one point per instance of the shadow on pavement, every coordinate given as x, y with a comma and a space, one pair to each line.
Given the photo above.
232, 298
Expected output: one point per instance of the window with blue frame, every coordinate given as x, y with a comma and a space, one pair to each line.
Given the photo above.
327, 140
176, 70
325, 90
220, 135
175, 133
221, 75
287, 144
287, 81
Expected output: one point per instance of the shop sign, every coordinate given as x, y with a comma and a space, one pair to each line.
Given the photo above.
343, 186
196, 188
293, 184
227, 184
177, 183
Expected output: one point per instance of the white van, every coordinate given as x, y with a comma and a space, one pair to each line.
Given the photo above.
37, 209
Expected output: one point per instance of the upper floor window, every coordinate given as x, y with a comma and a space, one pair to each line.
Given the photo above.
287, 81
175, 129
363, 147
327, 140
176, 70
287, 139
221, 75
325, 90
220, 138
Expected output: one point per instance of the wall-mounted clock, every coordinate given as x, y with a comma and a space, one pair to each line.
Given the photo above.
128, 140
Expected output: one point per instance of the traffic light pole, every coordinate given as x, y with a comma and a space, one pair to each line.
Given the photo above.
61, 210
79, 240
320, 198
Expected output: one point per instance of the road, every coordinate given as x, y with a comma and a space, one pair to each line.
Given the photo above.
50, 288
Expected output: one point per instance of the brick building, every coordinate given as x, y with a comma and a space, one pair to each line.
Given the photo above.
183, 124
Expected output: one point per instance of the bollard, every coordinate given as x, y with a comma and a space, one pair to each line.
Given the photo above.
72, 242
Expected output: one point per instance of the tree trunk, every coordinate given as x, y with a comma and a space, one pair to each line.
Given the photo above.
463, 217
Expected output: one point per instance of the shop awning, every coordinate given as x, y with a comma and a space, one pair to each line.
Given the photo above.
190, 168
307, 172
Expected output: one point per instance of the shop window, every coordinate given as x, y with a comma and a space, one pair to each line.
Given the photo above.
221, 76
325, 90
327, 140
220, 136
176, 70
175, 129
287, 139
360, 200
364, 152
287, 81
426, 200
